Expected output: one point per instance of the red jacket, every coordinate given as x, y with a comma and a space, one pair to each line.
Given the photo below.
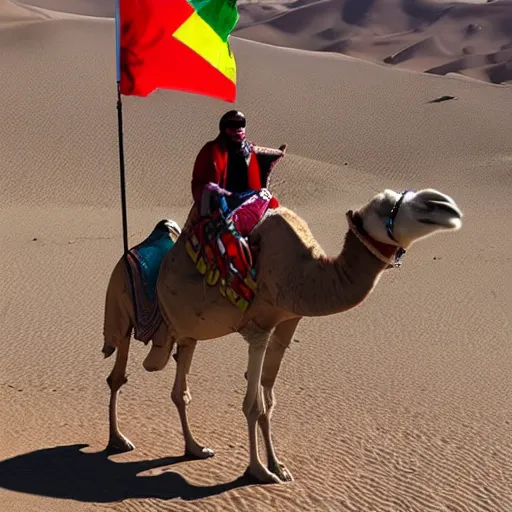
211, 166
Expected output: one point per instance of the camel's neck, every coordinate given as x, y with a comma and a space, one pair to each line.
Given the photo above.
336, 285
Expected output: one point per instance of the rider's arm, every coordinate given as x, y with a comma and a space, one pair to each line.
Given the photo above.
204, 172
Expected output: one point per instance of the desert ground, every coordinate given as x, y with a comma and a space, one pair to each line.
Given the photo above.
401, 404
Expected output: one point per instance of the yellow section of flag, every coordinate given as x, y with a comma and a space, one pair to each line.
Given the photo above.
201, 38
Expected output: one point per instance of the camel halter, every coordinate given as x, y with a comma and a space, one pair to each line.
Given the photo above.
391, 219
366, 240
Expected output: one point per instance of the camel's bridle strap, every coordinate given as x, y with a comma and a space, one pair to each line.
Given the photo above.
390, 224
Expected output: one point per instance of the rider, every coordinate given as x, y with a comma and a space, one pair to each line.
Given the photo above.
227, 165
231, 164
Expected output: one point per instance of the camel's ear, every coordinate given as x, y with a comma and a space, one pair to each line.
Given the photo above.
283, 148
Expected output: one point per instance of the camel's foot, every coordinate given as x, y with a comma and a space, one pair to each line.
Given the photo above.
199, 452
281, 471
262, 475
120, 444
157, 358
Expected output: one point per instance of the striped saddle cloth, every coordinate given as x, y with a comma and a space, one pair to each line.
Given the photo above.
219, 246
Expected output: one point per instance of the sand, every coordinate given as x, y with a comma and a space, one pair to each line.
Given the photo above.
402, 404
435, 36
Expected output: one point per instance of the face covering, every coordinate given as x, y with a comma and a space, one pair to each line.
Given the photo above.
236, 142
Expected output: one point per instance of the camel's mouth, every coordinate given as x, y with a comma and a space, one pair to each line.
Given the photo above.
442, 213
453, 223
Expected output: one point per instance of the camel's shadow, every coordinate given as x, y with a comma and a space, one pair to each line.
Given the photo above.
66, 472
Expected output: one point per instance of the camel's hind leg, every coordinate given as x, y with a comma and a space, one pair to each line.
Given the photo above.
117, 442
279, 342
117, 331
181, 397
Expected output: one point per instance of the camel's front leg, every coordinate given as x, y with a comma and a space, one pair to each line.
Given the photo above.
253, 406
181, 397
117, 441
279, 342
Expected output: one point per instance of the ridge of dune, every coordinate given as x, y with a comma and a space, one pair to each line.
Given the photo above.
418, 35
92, 8
432, 36
12, 14
89, 8
57, 10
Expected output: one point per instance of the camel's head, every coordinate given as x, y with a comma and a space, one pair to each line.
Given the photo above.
401, 219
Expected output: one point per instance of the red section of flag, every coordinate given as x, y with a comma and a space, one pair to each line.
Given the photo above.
151, 58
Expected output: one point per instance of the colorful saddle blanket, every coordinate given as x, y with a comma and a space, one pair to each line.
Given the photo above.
219, 246
145, 259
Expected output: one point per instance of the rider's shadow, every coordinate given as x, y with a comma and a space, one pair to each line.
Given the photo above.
66, 472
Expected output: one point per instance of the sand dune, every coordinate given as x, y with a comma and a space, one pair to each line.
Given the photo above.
434, 36
13, 14
96, 8
418, 35
402, 404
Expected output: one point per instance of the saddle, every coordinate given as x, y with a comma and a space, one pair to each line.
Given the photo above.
145, 260
219, 245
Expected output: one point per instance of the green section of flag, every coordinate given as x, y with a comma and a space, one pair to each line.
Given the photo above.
221, 15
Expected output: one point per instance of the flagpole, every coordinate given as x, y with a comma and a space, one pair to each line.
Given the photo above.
121, 154
120, 130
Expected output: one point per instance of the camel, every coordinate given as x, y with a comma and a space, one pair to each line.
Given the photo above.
295, 279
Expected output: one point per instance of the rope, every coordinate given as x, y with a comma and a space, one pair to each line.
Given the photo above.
390, 262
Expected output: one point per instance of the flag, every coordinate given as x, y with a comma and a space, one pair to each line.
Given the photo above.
176, 44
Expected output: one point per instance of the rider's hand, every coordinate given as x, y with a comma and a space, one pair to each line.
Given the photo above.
214, 187
223, 192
